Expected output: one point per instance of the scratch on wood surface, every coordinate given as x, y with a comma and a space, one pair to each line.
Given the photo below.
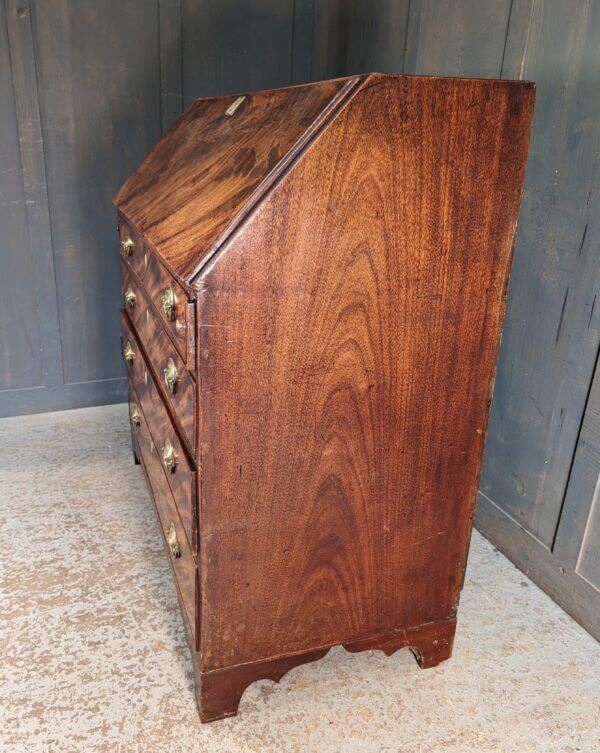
537, 407
562, 314
427, 538
585, 229
591, 312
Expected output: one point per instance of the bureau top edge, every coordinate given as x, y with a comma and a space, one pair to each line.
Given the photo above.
211, 169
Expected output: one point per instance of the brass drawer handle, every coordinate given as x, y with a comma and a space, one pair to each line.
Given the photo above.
173, 541
169, 302
171, 376
128, 353
129, 297
169, 457
127, 246
134, 414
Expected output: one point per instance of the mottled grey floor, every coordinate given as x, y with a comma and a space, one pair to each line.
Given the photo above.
94, 655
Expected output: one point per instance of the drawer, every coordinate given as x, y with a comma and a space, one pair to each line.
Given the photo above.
181, 476
132, 249
132, 352
177, 546
174, 380
172, 303
173, 456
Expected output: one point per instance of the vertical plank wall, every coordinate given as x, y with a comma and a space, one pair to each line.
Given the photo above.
87, 87
539, 488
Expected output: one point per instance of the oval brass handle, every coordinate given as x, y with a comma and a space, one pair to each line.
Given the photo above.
129, 297
169, 457
173, 541
134, 414
128, 353
171, 376
169, 302
127, 246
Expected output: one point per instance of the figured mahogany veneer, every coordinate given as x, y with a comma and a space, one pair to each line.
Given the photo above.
180, 325
161, 350
132, 248
199, 178
339, 254
180, 474
184, 566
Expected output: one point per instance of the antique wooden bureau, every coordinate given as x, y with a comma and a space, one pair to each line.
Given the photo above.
314, 283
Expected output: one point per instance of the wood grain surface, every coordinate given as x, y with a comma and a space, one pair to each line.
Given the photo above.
159, 350
181, 327
219, 692
182, 481
131, 248
184, 567
201, 176
349, 335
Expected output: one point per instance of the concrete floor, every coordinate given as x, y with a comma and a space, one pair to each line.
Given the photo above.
94, 655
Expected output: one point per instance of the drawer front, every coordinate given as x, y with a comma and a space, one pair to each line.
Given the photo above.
178, 549
131, 248
172, 303
181, 477
132, 353
176, 383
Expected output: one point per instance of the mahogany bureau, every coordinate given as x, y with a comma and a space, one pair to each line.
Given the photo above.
314, 283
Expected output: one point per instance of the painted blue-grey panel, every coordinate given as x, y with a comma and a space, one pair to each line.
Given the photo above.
552, 329
450, 38
20, 347
98, 86
229, 47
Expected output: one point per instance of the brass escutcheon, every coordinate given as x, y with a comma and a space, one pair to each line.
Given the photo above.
134, 414
171, 376
169, 302
127, 246
173, 541
234, 106
128, 353
169, 457
129, 297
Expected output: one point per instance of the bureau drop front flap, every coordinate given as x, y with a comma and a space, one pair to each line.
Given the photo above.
314, 283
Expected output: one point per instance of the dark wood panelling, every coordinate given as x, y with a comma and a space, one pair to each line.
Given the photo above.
32, 157
552, 329
98, 68
302, 41
94, 85
20, 352
171, 81
329, 49
450, 38
376, 36
517, 37
578, 538
230, 47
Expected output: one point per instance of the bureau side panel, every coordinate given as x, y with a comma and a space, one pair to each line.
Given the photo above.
349, 335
